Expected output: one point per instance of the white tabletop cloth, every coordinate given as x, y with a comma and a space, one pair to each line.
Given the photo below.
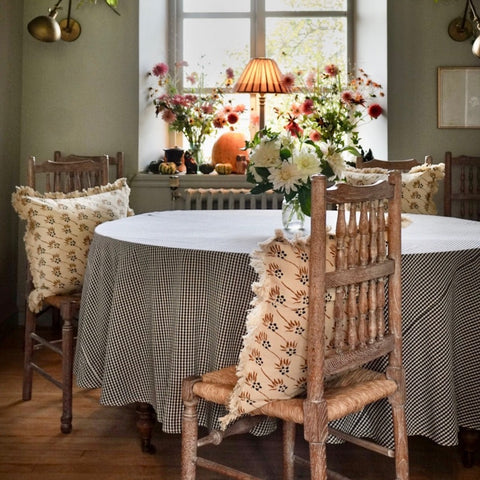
240, 231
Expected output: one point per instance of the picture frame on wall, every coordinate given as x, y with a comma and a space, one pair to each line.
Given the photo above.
458, 97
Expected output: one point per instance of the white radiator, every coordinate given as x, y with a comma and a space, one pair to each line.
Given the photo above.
230, 199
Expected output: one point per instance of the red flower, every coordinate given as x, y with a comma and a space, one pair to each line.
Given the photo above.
331, 70
315, 136
293, 128
232, 118
375, 110
288, 80
347, 97
307, 106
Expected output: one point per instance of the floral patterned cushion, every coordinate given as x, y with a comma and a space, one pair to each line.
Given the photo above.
272, 363
59, 230
419, 185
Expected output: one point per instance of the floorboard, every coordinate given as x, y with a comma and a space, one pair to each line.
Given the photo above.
104, 444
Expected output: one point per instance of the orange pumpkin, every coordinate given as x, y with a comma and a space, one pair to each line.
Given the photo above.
227, 147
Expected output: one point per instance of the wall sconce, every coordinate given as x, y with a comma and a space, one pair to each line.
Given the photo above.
47, 29
261, 75
461, 29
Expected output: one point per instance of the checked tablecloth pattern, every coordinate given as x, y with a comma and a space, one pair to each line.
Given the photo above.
166, 296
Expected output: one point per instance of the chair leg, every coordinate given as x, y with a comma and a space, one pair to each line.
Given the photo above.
67, 367
401, 442
30, 324
288, 450
318, 461
189, 429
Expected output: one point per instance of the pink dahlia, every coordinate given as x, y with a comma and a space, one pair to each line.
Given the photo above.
160, 69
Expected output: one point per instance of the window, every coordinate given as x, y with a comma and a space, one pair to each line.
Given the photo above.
299, 34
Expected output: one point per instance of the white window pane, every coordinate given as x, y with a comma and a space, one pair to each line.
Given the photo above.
216, 6
209, 44
302, 5
307, 42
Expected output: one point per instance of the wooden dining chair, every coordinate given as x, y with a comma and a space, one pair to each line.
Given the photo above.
462, 186
57, 177
402, 165
365, 281
115, 162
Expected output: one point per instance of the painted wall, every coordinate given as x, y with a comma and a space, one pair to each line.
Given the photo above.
10, 94
81, 97
90, 96
418, 43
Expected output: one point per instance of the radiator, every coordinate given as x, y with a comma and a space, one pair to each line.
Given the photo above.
230, 199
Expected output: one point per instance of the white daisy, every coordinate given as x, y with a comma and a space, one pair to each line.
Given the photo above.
286, 178
307, 161
337, 163
266, 153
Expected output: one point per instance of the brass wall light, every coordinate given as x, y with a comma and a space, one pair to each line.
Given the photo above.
461, 28
47, 29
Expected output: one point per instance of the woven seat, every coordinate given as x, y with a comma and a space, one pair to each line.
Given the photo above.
366, 285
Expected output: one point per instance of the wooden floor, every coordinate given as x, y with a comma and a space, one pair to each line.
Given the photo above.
104, 444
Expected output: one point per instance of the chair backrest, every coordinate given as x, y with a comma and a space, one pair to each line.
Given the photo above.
462, 186
402, 165
114, 161
365, 281
51, 176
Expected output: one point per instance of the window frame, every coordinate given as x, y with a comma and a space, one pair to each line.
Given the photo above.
258, 16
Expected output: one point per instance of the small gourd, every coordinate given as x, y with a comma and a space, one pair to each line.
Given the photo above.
223, 168
167, 168
206, 168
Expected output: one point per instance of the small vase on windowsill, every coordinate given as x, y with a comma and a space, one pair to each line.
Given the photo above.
293, 219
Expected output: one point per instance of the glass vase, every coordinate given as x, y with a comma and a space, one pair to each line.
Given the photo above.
196, 151
293, 219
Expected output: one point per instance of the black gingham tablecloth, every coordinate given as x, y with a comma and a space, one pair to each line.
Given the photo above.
166, 296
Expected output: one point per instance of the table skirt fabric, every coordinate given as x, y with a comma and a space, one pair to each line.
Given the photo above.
143, 328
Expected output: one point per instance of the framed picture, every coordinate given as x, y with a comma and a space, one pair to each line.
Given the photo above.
459, 97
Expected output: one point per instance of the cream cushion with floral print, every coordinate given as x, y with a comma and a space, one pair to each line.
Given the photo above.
419, 185
272, 362
59, 230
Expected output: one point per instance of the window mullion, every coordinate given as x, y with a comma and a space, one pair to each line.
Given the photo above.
258, 26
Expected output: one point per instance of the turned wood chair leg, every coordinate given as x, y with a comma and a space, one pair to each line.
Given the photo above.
469, 440
28, 352
67, 368
288, 450
146, 420
189, 429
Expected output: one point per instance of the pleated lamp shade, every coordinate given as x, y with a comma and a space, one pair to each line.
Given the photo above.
261, 75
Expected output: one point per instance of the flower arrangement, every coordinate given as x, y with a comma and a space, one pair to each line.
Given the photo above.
325, 110
192, 112
320, 133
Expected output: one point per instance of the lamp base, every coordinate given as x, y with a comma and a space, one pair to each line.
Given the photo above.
71, 33
458, 33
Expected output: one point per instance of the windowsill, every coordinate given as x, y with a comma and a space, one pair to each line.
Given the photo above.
190, 181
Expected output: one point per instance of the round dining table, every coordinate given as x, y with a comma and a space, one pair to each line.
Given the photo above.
166, 295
